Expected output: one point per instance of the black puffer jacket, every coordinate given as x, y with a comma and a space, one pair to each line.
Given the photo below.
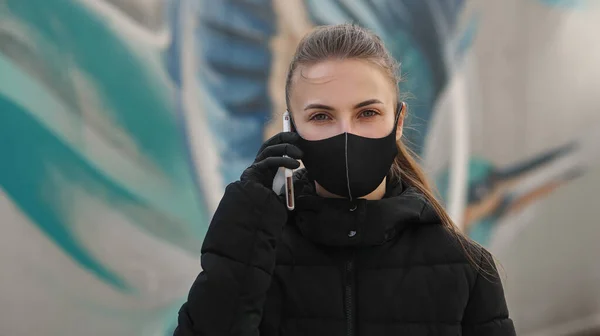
386, 267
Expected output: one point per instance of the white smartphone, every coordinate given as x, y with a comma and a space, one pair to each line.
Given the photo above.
289, 181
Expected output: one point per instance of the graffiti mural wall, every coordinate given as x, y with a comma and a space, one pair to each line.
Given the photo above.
122, 121
102, 212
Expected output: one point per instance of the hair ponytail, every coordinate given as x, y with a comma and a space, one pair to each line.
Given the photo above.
405, 167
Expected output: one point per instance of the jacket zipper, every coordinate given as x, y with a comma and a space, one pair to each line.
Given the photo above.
348, 298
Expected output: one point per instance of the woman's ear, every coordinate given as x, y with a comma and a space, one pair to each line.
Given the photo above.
400, 121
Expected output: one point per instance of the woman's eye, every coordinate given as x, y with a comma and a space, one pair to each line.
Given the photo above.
369, 113
320, 117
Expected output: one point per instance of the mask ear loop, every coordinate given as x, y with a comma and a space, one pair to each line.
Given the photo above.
399, 110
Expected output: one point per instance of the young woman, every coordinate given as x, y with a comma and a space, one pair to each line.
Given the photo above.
368, 250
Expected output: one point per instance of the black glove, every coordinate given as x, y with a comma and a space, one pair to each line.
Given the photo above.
270, 158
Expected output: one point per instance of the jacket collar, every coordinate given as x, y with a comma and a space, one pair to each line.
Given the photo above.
339, 222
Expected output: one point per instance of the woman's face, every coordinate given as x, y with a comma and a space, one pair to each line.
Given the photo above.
337, 96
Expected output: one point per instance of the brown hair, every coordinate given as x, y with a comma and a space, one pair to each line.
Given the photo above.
349, 41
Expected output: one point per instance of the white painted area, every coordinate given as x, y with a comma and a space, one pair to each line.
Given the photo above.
459, 158
550, 257
130, 29
201, 141
65, 299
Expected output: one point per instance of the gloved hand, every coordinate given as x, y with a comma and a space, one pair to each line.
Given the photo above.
270, 158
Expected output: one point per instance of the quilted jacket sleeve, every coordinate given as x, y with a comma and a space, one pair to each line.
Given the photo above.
487, 312
238, 259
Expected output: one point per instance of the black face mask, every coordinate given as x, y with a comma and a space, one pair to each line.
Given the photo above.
350, 165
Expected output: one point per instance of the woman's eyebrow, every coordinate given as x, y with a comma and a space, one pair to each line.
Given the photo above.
367, 103
329, 108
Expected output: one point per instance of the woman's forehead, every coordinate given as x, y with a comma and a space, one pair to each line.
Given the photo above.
340, 82
325, 71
